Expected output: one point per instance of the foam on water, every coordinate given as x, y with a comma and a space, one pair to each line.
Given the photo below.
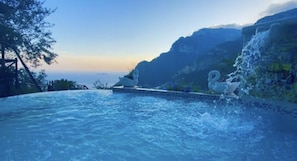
100, 125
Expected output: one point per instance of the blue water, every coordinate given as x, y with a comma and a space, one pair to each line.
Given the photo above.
105, 126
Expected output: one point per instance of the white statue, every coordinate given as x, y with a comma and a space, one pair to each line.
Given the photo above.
227, 88
130, 80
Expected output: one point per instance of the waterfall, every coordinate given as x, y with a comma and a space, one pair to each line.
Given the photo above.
247, 62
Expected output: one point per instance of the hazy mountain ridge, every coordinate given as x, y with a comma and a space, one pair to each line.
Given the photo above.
183, 52
221, 57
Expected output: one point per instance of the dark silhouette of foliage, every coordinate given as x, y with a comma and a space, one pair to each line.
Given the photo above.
24, 34
25, 84
23, 28
64, 84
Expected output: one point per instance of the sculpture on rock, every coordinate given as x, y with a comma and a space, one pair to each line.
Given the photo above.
129, 80
227, 88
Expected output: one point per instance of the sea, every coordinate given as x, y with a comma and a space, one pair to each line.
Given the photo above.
87, 78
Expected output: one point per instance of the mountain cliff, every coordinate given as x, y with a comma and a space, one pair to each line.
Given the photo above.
220, 57
185, 51
190, 58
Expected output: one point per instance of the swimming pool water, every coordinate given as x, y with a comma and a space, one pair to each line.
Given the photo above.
105, 126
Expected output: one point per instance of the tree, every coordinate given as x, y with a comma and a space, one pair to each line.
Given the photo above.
23, 28
64, 84
25, 83
25, 33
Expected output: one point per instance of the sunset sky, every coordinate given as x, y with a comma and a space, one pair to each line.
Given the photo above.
114, 35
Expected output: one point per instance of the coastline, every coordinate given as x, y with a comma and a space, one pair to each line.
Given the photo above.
86, 78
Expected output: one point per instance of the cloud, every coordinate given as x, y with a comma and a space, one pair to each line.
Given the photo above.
234, 26
279, 7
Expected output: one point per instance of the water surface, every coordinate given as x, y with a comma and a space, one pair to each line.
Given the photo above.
101, 125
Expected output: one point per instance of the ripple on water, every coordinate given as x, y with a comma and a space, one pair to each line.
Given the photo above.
100, 125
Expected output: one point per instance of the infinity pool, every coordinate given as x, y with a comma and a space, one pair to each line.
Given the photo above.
105, 126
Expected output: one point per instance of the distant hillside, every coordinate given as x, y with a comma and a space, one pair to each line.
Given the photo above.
185, 51
220, 57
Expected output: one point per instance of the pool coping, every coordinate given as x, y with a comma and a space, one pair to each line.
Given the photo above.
282, 107
161, 92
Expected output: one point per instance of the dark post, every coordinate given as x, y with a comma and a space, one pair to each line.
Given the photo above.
16, 73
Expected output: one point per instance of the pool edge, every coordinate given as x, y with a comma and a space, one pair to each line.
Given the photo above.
282, 107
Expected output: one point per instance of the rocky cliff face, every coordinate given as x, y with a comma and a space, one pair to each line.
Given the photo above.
185, 51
